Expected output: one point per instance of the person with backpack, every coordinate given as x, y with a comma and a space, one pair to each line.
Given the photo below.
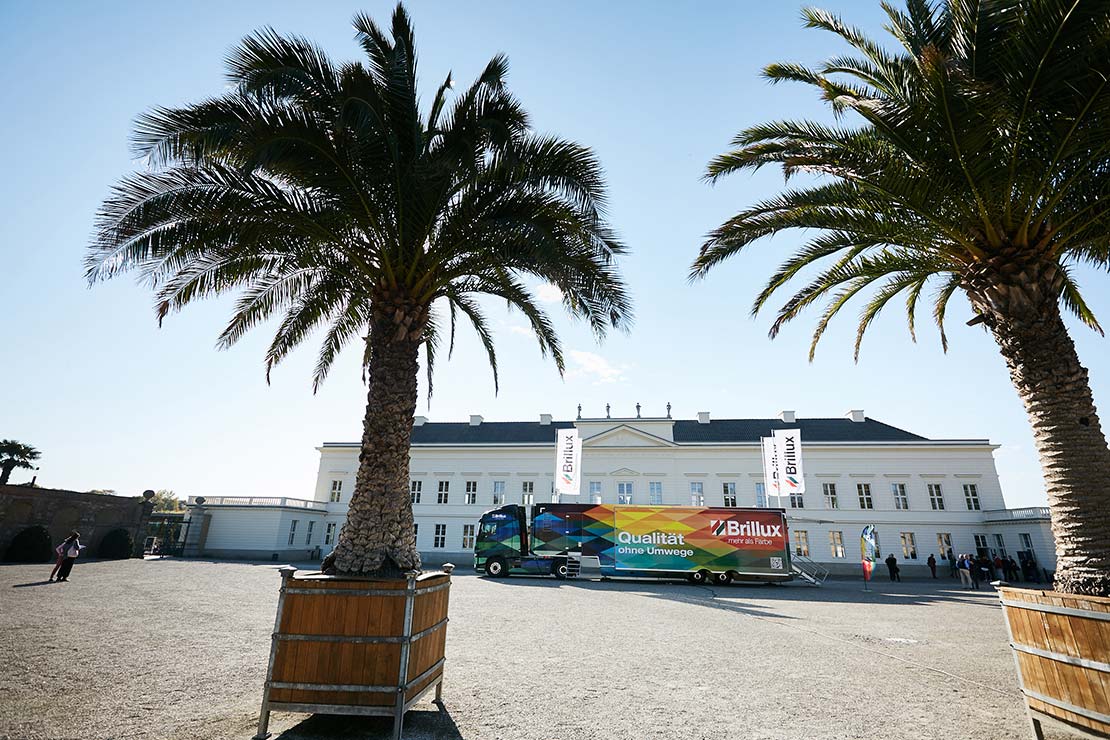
964, 568
69, 550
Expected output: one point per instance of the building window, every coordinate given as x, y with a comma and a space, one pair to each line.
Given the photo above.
498, 492
728, 492
415, 488
797, 501
697, 493
1026, 541
292, 531
443, 492
440, 537
329, 534
624, 492
901, 501
595, 491
863, 490
909, 546
468, 537
471, 492
1000, 544
308, 534
527, 492
836, 544
980, 544
829, 489
415, 532
655, 493
801, 542
971, 496
944, 544
760, 495
936, 497
336, 491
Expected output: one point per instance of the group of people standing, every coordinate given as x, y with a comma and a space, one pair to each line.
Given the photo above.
67, 553
974, 569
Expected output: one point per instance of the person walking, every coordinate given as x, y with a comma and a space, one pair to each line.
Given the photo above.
60, 551
932, 563
73, 548
963, 568
1011, 569
953, 566
892, 567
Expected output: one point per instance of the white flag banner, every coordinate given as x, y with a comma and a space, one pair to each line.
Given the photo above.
788, 448
568, 462
770, 467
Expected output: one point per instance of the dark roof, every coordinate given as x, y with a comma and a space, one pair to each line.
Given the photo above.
813, 430
685, 431
488, 432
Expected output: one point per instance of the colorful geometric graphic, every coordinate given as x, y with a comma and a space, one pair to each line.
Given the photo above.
669, 539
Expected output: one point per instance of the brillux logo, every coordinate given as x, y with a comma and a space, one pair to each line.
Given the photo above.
790, 460
733, 528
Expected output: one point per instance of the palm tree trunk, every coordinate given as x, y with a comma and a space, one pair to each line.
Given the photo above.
5, 473
377, 537
1075, 460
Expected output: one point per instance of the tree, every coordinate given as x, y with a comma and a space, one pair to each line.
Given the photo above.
167, 501
103, 491
323, 194
976, 164
15, 455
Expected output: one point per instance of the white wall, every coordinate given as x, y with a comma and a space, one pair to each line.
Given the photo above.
626, 455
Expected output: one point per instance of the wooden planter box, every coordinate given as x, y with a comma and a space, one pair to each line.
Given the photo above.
346, 645
1061, 645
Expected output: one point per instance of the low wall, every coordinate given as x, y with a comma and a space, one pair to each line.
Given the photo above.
61, 512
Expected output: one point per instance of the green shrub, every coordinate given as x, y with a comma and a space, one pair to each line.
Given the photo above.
32, 545
116, 545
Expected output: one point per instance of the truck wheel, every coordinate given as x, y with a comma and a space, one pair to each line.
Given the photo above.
698, 577
560, 570
495, 568
722, 579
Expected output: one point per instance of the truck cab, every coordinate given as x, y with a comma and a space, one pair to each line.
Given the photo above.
504, 546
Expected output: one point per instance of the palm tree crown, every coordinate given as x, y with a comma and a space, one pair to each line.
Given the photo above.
976, 161
979, 162
321, 192
14, 455
325, 196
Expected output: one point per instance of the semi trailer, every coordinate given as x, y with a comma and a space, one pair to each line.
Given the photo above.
698, 543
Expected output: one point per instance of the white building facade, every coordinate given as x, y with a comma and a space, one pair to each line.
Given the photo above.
923, 496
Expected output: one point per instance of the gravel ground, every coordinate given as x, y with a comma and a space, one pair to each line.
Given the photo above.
178, 649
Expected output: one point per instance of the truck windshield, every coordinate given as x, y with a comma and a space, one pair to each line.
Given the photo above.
488, 531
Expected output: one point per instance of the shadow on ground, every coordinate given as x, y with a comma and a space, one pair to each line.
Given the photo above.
734, 596
418, 724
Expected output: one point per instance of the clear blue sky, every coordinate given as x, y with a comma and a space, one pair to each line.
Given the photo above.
656, 89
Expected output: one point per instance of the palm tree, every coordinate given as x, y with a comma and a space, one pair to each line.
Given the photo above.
15, 455
324, 196
975, 162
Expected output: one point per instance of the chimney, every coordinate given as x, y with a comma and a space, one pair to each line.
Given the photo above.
419, 421
856, 415
703, 417
787, 417
475, 420
545, 420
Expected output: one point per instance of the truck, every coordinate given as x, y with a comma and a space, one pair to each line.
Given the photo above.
701, 544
